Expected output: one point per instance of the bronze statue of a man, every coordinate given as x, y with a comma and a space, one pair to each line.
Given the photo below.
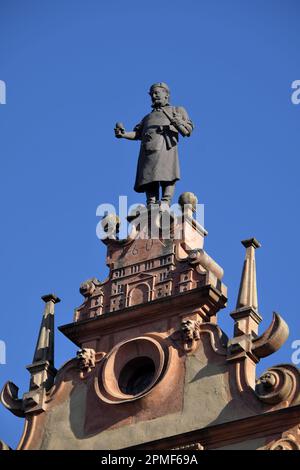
159, 131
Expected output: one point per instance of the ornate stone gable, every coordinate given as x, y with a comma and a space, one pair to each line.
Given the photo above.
154, 370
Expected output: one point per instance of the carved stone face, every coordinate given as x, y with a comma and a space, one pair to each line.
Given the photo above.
87, 288
268, 380
81, 356
86, 358
159, 96
187, 328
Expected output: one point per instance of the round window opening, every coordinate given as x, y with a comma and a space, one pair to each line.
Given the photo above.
131, 369
136, 375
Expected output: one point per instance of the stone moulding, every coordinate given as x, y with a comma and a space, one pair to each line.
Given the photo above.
206, 301
240, 430
194, 446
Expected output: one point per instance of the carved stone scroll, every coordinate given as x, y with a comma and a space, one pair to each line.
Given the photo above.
272, 339
11, 401
290, 440
279, 383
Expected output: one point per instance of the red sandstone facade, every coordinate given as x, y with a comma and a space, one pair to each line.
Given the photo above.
154, 370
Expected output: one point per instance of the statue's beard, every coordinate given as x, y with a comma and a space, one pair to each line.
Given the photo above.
159, 103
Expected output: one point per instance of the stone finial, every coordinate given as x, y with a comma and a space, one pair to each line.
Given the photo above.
246, 316
42, 370
50, 298
111, 223
248, 289
44, 350
87, 288
246, 341
188, 198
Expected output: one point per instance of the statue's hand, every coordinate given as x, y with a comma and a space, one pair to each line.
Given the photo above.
119, 130
119, 133
177, 120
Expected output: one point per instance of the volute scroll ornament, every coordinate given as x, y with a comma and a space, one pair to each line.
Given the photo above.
272, 339
289, 440
200, 257
10, 399
278, 384
287, 443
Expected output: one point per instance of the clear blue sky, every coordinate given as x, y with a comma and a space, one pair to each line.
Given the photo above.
74, 68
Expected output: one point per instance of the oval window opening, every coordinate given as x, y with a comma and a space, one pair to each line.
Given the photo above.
136, 375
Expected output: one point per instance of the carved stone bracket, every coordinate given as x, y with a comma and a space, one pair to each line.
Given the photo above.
42, 370
272, 339
191, 331
32, 401
200, 257
11, 401
262, 346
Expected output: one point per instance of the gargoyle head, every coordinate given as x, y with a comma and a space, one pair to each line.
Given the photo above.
86, 359
88, 287
268, 380
188, 329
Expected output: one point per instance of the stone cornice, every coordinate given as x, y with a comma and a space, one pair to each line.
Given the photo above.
180, 304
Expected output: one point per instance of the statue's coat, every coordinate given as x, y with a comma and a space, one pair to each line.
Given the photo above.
158, 158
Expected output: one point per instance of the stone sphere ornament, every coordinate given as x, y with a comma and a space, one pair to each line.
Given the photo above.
111, 223
188, 198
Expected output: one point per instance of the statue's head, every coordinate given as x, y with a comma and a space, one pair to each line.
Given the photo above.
159, 93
